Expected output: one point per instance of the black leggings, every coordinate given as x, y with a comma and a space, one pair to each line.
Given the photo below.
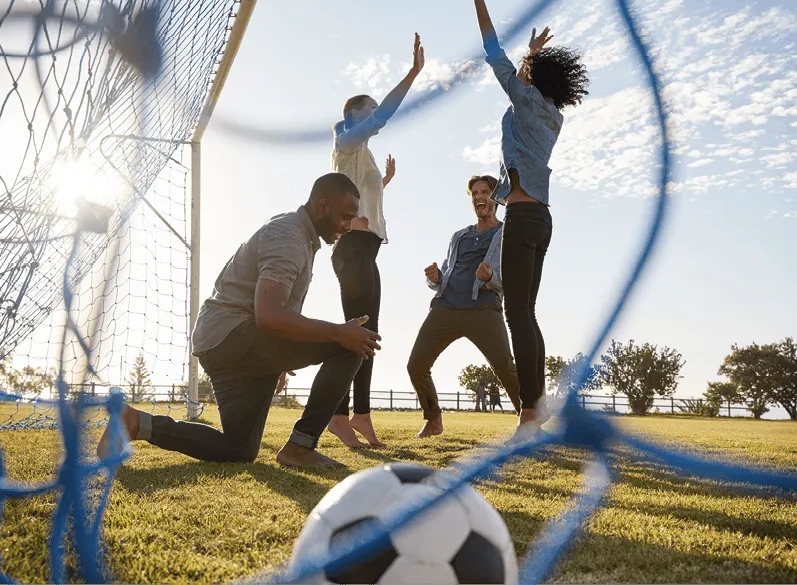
354, 262
526, 236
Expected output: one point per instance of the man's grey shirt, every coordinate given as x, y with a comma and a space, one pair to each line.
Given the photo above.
283, 250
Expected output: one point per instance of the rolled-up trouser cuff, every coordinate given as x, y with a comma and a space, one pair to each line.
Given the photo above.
431, 414
144, 426
303, 440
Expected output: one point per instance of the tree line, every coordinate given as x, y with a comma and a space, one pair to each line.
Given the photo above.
32, 382
758, 376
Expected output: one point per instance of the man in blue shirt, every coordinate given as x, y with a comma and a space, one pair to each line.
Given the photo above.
467, 303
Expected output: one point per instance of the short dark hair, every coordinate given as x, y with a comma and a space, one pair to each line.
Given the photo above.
489, 179
333, 185
557, 72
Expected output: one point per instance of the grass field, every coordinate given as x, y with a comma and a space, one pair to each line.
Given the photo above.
173, 519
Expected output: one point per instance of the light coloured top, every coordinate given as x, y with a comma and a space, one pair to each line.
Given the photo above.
359, 165
529, 130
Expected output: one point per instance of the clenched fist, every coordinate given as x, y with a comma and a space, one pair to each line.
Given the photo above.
433, 273
484, 272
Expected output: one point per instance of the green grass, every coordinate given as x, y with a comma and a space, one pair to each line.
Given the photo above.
173, 519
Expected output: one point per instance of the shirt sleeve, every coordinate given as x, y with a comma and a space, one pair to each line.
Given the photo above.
279, 257
351, 139
506, 74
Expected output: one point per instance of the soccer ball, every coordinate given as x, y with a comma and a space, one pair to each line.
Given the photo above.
462, 539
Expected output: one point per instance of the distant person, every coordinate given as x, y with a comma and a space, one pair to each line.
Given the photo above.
251, 331
481, 397
495, 399
354, 256
549, 80
467, 303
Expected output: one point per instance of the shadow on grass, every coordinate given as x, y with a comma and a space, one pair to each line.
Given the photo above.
598, 558
297, 485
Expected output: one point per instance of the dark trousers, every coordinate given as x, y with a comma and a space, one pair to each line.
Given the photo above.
243, 371
354, 262
526, 237
484, 327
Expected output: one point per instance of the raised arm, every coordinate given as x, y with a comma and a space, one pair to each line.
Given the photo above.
502, 67
489, 36
354, 137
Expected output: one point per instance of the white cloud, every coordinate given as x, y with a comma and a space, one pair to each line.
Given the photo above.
372, 75
730, 92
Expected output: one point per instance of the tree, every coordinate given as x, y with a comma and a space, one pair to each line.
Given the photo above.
785, 372
472, 375
138, 380
640, 372
562, 374
30, 381
204, 388
554, 364
753, 372
719, 393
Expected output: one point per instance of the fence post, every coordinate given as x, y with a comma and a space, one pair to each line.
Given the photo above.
416, 402
93, 384
729, 408
391, 399
457, 399
672, 405
614, 403
584, 401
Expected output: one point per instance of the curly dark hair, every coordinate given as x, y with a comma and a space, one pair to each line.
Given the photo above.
559, 74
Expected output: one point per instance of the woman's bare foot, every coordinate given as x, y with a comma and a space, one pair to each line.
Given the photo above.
528, 425
340, 427
293, 455
432, 427
362, 424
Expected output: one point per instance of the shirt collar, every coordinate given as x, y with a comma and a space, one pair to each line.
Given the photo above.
308, 228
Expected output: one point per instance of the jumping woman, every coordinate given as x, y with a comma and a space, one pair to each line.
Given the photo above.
354, 256
549, 80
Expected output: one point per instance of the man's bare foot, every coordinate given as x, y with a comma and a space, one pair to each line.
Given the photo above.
528, 425
340, 427
130, 422
293, 455
432, 427
362, 424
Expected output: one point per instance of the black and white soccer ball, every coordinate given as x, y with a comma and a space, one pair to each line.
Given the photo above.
462, 539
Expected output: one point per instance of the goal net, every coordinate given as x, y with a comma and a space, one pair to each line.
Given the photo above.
96, 126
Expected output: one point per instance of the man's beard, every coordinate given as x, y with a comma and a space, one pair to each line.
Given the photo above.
325, 228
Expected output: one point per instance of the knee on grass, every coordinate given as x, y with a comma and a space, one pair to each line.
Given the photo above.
243, 453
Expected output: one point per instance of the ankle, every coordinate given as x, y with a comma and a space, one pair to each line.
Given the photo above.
527, 415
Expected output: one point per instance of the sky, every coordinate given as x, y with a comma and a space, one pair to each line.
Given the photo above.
725, 270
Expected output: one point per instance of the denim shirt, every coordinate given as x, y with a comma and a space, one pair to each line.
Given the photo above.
493, 258
529, 130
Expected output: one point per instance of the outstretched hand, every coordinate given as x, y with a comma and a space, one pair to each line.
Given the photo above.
357, 339
538, 42
417, 57
390, 170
